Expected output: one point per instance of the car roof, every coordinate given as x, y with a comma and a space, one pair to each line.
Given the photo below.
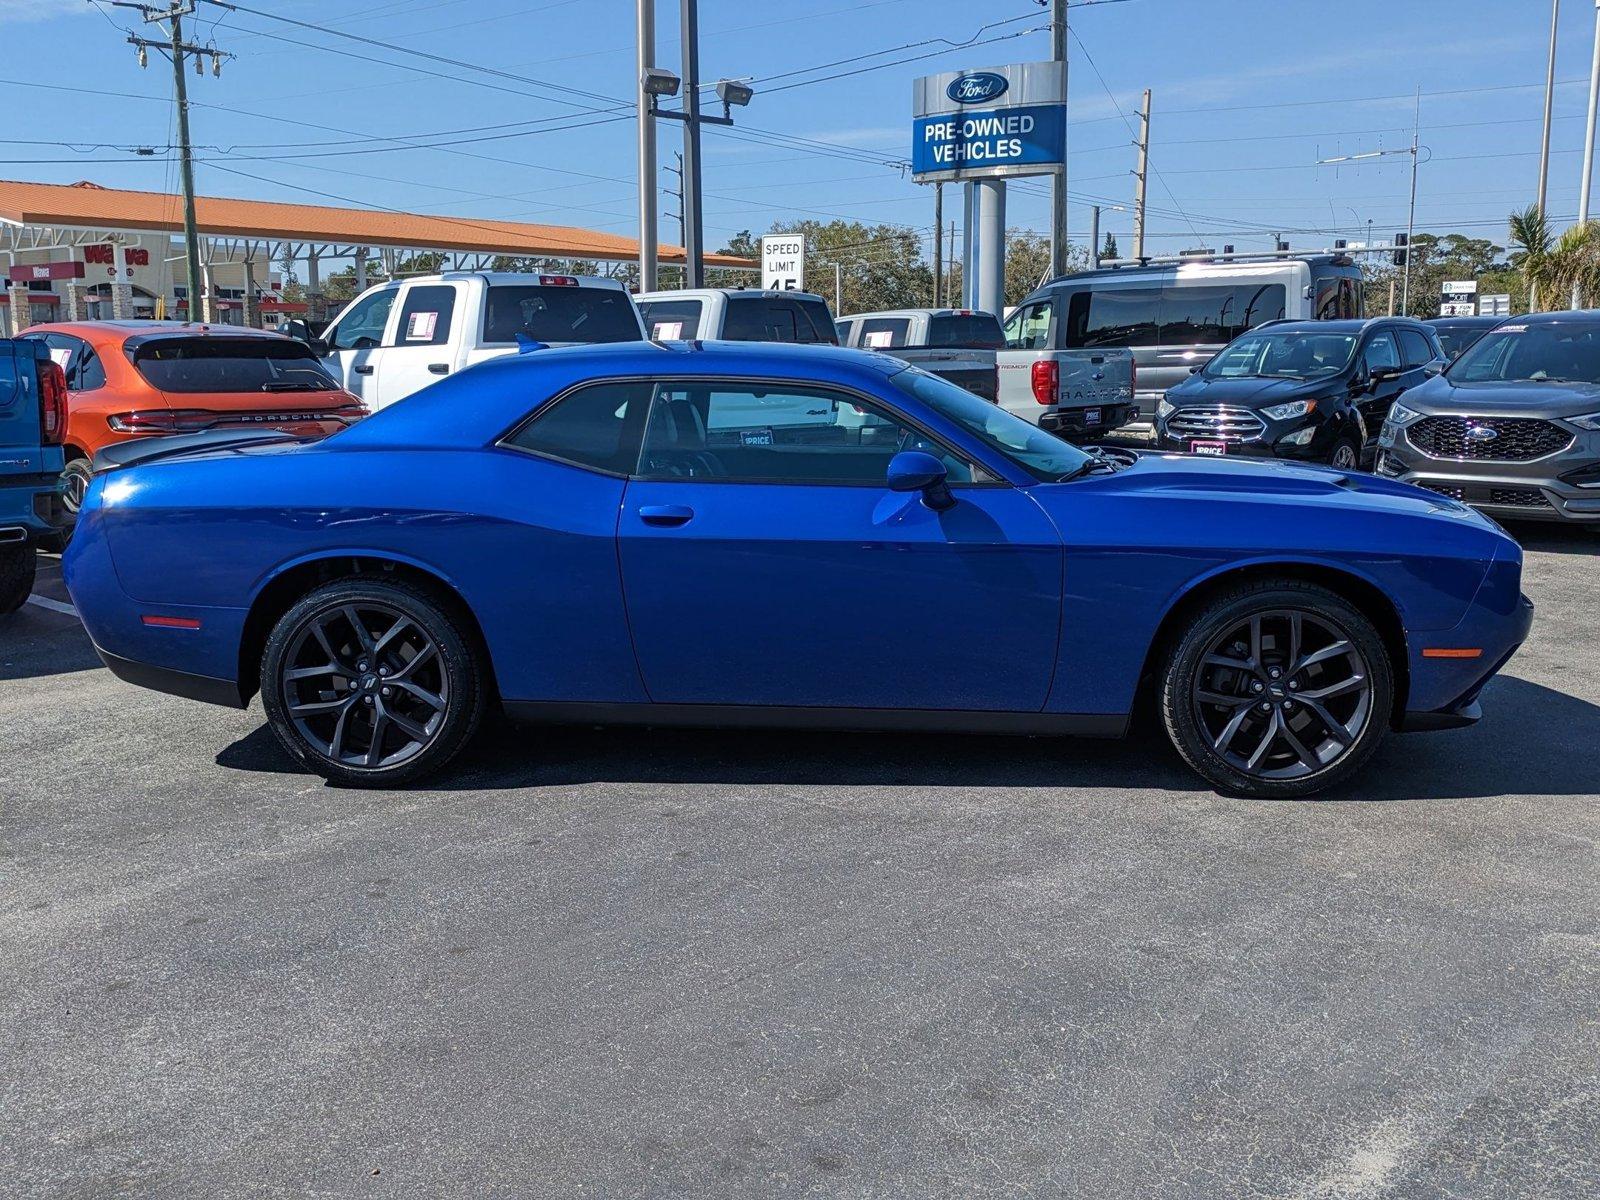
524, 278
115, 331
917, 312
702, 293
1578, 315
1485, 320
1342, 325
477, 405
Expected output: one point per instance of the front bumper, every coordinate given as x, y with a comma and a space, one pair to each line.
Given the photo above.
1511, 491
1072, 422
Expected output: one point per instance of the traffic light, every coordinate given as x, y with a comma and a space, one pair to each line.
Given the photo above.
1400, 241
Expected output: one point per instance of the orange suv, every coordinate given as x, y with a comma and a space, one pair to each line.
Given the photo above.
134, 379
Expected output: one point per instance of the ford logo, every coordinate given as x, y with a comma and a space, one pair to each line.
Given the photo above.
1482, 433
976, 87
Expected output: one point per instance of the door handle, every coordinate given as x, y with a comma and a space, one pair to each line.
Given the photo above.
439, 368
364, 369
665, 514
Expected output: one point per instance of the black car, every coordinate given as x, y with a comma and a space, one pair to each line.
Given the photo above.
1309, 390
1457, 333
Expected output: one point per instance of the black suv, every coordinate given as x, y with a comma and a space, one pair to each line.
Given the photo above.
1310, 390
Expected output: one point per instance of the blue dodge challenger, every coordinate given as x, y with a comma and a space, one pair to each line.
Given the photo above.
738, 534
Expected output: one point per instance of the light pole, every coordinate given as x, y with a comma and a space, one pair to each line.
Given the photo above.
1588, 136
648, 211
656, 82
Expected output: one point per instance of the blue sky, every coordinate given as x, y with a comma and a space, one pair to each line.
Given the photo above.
1248, 94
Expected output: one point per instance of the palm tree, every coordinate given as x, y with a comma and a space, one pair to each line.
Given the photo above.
1531, 231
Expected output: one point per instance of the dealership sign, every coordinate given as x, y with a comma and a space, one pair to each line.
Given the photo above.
990, 123
783, 262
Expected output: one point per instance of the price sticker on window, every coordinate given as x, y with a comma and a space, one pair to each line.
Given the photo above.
420, 326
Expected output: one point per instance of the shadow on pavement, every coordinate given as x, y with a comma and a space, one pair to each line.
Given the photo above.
35, 642
1531, 742
1555, 539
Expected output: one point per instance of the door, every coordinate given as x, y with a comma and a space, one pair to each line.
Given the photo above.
1385, 375
767, 564
417, 350
355, 340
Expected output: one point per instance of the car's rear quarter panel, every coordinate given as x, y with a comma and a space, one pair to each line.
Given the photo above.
528, 544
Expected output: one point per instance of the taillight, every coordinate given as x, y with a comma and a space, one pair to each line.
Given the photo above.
558, 281
1046, 380
52, 402
161, 420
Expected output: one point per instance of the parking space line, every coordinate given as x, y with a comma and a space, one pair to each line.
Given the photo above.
53, 605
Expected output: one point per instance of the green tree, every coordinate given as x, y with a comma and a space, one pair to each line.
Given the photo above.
1530, 234
1109, 249
1434, 259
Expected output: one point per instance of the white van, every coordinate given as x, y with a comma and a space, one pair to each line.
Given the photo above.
398, 337
1174, 314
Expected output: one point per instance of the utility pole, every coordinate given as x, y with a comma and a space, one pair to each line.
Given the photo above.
175, 48
1411, 213
649, 235
1544, 141
1588, 137
1144, 169
1058, 187
695, 275
678, 192
938, 241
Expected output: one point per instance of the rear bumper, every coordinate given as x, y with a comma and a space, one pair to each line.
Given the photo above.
173, 682
1071, 422
31, 509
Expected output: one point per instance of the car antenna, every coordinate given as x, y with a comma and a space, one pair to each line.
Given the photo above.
527, 345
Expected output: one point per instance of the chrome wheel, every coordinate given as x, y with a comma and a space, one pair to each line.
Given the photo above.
364, 685
74, 486
1283, 694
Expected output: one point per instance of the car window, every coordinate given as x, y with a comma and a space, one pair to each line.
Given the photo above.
670, 320
1349, 298
1028, 328
785, 433
362, 326
885, 333
846, 331
965, 331
230, 364
90, 373
771, 319
821, 321
596, 426
1189, 314
1380, 352
425, 316
1414, 348
557, 312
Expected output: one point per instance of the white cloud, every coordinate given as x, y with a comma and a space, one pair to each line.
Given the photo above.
16, 11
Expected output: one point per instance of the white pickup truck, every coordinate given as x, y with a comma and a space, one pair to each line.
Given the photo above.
737, 315
956, 343
398, 337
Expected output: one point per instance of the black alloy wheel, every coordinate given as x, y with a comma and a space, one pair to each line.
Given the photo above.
1345, 456
371, 683
75, 480
1278, 690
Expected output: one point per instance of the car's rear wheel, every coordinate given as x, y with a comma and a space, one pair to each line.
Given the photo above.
1277, 690
18, 565
75, 479
373, 683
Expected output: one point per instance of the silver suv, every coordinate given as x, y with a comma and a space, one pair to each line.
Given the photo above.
1512, 427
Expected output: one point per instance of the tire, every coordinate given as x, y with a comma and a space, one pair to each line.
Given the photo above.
18, 566
1295, 746
1345, 455
75, 479
373, 657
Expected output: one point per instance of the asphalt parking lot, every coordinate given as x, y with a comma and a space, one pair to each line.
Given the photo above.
675, 964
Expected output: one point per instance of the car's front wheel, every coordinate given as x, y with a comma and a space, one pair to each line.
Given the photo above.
372, 683
1277, 690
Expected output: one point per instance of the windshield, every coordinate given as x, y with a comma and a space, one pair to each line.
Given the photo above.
1561, 351
1046, 457
965, 331
557, 313
1285, 354
224, 364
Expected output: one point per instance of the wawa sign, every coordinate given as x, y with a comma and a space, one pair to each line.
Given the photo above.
994, 122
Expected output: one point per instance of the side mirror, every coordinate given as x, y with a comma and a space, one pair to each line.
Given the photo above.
919, 471
319, 347
1379, 374
1435, 366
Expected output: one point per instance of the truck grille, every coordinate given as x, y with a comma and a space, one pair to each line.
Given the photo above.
1518, 497
1220, 422
1488, 439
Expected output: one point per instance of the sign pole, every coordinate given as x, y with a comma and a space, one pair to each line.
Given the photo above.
649, 234
1058, 189
692, 223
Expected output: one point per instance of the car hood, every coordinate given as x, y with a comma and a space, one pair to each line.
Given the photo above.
1516, 398
1289, 506
1246, 393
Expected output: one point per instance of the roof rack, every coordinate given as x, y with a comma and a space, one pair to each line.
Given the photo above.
1163, 260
